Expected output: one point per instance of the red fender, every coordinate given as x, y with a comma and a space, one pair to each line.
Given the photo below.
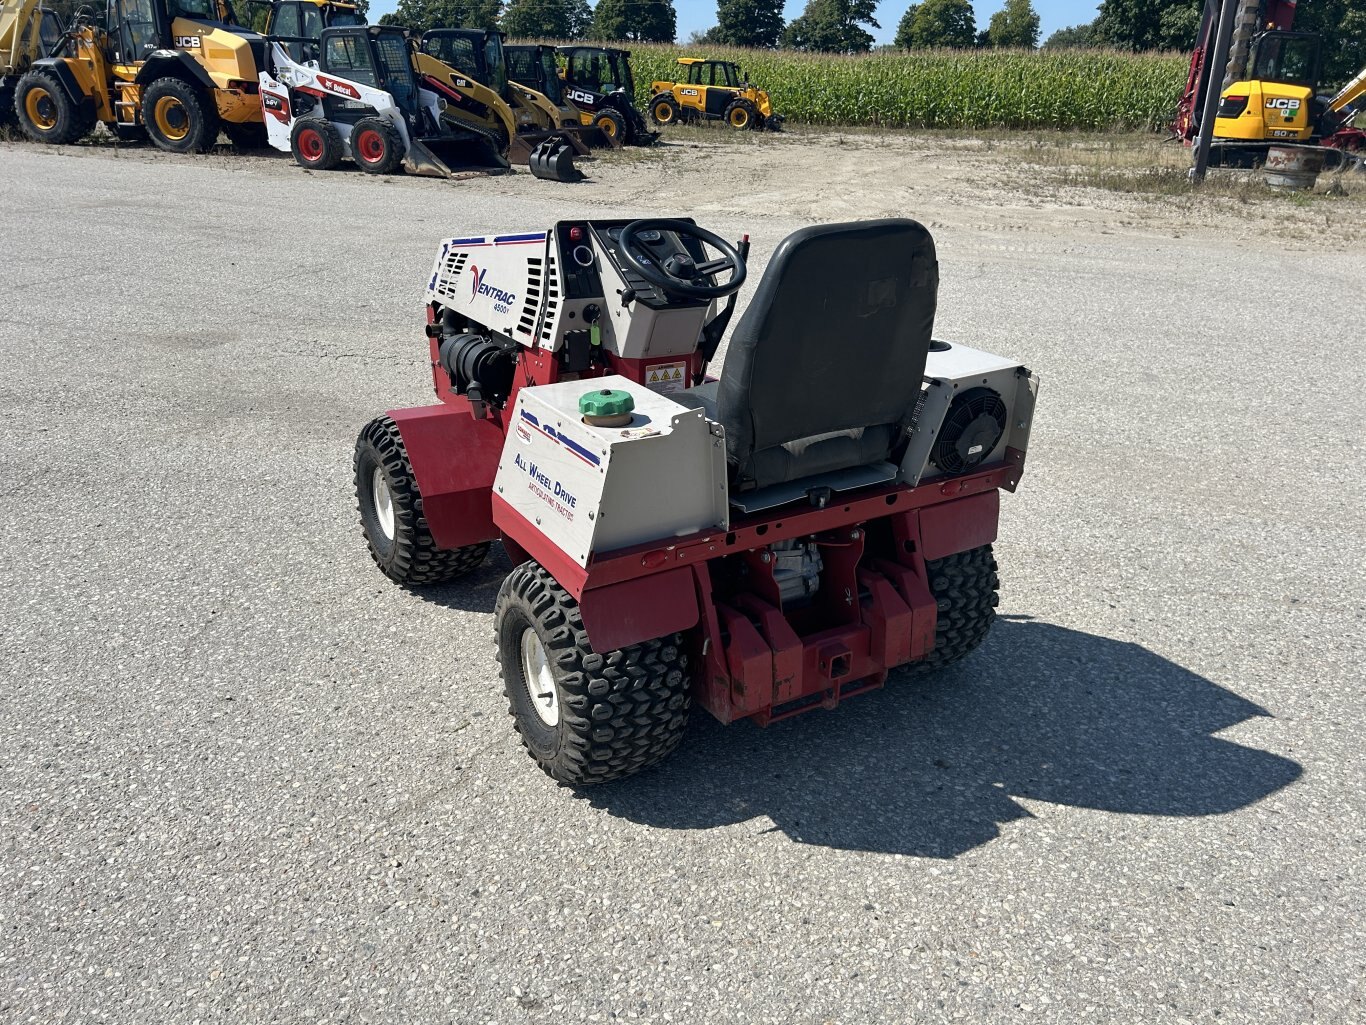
454, 459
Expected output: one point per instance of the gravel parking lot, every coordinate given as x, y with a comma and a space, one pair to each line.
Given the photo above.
244, 778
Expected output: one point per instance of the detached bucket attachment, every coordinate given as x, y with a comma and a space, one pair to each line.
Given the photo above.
526, 143
553, 160
464, 153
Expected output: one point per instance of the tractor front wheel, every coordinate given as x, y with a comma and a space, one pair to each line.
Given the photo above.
584, 716
317, 145
965, 587
612, 125
742, 114
663, 110
391, 516
177, 117
46, 113
376, 146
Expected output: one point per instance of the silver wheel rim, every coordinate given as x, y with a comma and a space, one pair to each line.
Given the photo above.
540, 683
384, 502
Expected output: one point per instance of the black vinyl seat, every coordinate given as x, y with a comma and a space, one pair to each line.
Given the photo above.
824, 369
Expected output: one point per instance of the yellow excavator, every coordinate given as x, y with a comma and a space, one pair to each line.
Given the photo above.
176, 71
28, 32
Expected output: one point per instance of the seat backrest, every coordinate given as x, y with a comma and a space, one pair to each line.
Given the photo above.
824, 368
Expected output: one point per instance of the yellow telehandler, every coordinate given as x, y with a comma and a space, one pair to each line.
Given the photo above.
178, 71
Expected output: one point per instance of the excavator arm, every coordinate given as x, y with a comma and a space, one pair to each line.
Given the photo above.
1349, 93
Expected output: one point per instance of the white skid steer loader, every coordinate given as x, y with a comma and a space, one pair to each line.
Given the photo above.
362, 101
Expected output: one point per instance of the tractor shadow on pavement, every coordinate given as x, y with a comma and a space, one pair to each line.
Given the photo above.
930, 767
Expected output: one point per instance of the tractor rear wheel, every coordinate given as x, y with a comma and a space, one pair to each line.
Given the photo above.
741, 114
376, 146
965, 586
663, 110
46, 113
391, 516
317, 145
612, 124
177, 117
584, 716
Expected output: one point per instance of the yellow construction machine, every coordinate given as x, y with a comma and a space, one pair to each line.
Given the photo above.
177, 70
712, 90
28, 32
471, 65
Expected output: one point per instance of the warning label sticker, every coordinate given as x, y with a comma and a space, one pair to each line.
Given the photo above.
667, 377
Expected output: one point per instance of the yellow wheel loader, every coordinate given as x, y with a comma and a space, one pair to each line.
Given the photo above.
715, 91
28, 32
177, 70
473, 64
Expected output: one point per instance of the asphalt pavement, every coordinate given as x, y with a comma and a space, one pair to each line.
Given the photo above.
244, 778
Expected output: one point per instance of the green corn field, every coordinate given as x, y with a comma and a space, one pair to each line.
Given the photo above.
973, 89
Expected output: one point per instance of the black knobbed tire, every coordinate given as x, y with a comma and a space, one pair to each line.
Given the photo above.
965, 586
663, 110
742, 114
376, 146
391, 514
178, 118
612, 125
46, 113
245, 137
316, 144
584, 716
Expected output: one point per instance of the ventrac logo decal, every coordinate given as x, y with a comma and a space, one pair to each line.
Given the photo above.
502, 301
340, 88
1282, 104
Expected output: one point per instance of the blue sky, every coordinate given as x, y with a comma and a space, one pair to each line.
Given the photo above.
700, 15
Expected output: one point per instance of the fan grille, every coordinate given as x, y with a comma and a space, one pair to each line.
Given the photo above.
966, 410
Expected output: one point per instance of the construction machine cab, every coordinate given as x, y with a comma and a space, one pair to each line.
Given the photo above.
1291, 58
477, 53
298, 24
704, 72
600, 69
534, 66
373, 55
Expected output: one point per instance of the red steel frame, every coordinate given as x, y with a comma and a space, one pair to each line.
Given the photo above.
758, 659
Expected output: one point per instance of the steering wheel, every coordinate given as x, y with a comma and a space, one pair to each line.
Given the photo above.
678, 276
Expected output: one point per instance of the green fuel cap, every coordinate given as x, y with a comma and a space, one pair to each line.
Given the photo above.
607, 402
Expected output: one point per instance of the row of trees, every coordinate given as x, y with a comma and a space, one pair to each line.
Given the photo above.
1173, 24
645, 20
842, 26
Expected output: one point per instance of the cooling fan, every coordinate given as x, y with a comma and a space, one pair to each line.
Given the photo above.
971, 430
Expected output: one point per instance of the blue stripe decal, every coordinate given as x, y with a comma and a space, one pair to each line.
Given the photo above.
576, 447
467, 241
568, 443
537, 237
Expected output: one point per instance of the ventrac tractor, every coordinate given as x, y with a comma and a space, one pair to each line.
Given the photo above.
771, 541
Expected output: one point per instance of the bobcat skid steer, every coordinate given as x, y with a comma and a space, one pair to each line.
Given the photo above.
362, 100
773, 541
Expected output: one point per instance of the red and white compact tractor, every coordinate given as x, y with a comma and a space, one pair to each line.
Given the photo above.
762, 544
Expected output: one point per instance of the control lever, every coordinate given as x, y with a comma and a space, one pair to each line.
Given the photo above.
716, 330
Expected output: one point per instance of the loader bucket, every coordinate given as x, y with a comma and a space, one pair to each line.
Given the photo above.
595, 138
553, 160
461, 154
422, 161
